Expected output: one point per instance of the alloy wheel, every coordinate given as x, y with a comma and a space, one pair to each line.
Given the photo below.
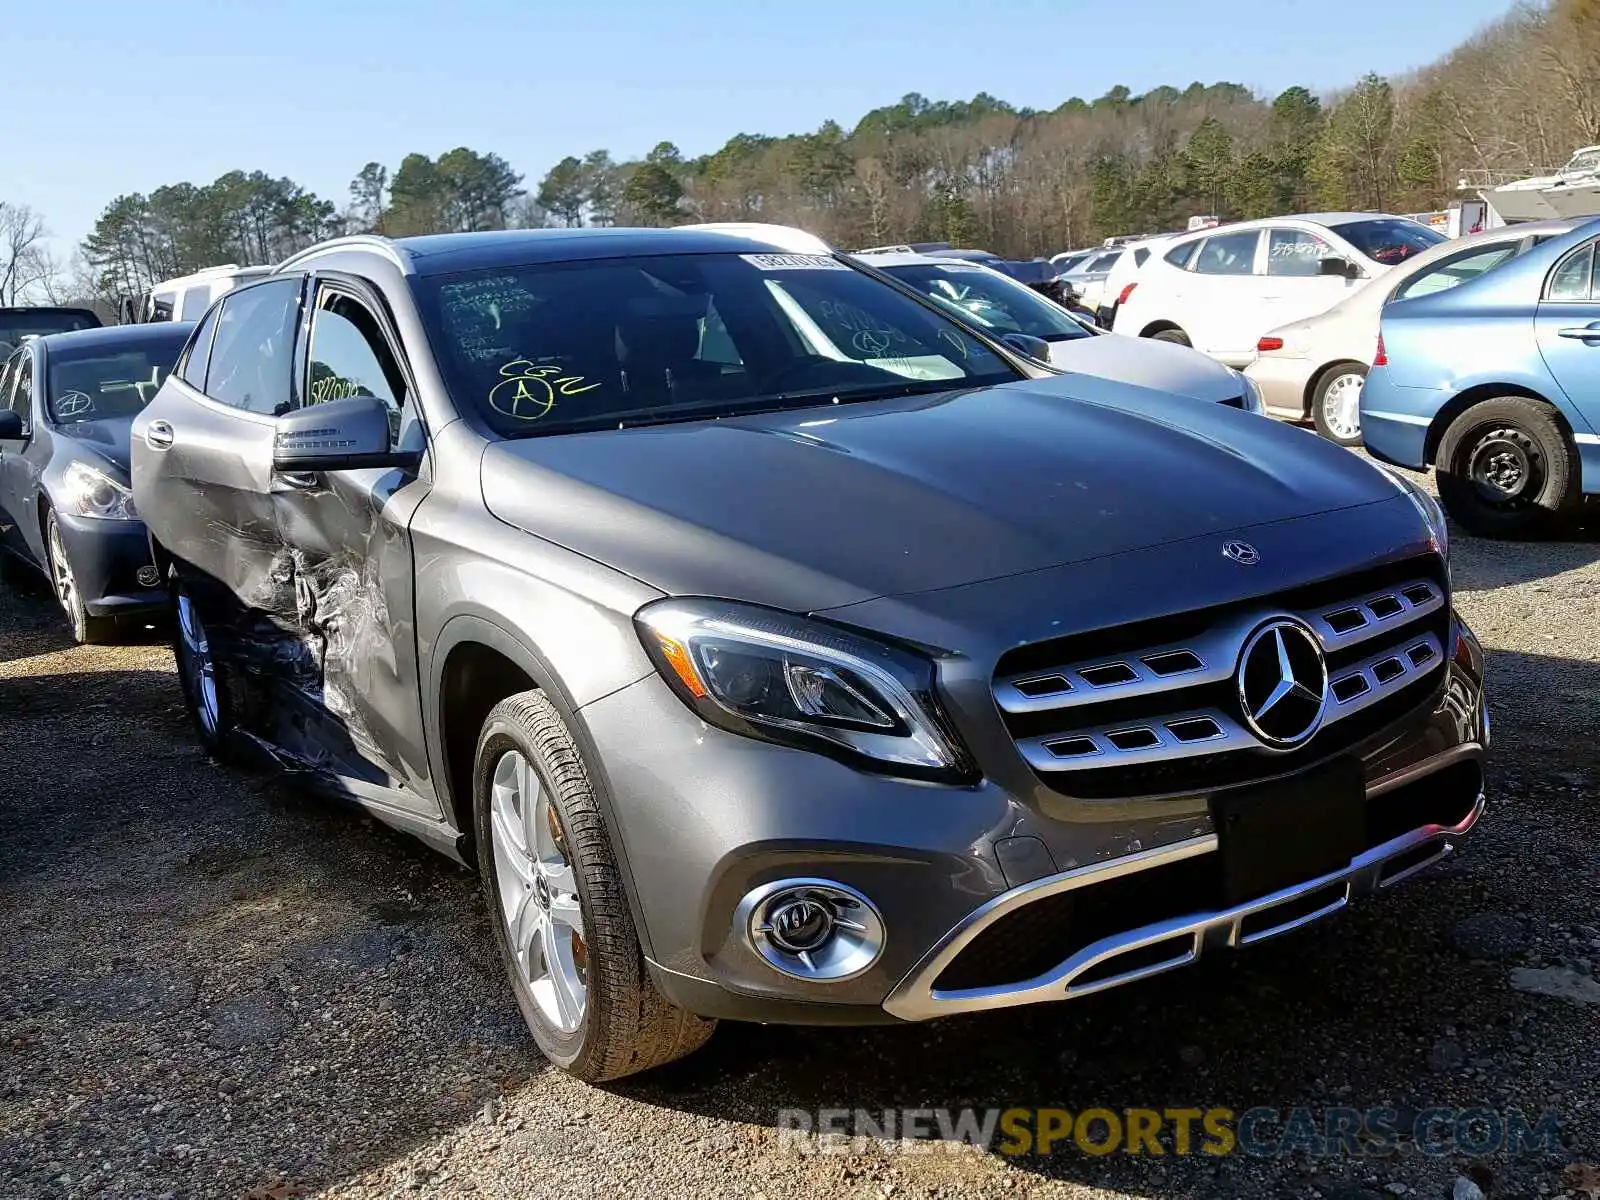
538, 892
198, 665
61, 576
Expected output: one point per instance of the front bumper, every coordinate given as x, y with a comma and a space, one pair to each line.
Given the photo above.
972, 880
107, 560
1283, 384
1177, 941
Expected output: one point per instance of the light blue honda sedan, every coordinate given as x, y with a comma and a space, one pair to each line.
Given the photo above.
1496, 383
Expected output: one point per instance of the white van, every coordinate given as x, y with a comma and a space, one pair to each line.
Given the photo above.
187, 297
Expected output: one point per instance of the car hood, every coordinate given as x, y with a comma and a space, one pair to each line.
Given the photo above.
1147, 363
107, 439
822, 507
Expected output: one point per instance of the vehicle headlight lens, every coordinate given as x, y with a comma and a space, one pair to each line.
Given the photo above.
1426, 505
1252, 395
93, 493
767, 674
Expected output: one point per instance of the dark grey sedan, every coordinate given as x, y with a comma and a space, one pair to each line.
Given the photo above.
66, 403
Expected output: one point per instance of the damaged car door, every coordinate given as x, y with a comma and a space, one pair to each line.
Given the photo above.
202, 448
346, 537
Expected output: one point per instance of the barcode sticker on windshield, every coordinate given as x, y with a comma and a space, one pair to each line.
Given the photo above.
794, 262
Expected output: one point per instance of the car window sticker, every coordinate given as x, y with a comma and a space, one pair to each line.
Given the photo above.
72, 404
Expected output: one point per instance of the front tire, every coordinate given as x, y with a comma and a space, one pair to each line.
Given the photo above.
87, 629
1506, 469
556, 901
202, 674
1336, 403
1176, 336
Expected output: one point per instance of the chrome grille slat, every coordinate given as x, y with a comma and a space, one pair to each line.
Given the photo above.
1083, 743
1377, 689
1230, 736
1401, 609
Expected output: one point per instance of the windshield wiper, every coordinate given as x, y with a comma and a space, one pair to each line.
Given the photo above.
633, 418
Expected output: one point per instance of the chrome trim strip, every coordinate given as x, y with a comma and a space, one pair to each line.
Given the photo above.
1405, 775
914, 998
1168, 747
1379, 689
1410, 610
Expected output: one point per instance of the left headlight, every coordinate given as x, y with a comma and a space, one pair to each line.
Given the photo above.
93, 493
770, 675
1426, 505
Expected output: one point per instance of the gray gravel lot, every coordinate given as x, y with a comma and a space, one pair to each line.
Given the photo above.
213, 986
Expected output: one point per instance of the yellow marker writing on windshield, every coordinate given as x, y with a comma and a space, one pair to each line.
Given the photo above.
529, 392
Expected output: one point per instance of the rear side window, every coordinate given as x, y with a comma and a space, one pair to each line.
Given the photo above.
1441, 277
195, 302
1572, 279
252, 354
1229, 254
1104, 263
192, 366
1182, 256
1139, 257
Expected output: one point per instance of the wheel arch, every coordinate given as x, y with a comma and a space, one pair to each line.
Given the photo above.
1476, 394
1314, 380
1151, 328
476, 663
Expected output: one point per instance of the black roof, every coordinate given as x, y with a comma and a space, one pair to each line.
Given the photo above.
433, 254
111, 336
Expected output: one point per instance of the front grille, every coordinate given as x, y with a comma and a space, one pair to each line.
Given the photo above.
1153, 707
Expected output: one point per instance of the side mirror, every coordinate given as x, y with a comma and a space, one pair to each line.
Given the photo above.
11, 428
341, 435
1028, 346
1342, 267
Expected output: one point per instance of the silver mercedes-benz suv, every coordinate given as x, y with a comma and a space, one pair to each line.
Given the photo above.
778, 648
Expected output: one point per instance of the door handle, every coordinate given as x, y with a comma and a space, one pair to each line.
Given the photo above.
1581, 333
158, 435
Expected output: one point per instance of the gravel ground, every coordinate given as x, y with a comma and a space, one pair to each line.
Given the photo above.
212, 986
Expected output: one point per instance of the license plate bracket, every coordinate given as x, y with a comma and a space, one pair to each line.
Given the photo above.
1273, 835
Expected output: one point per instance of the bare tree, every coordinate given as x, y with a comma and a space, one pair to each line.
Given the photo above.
24, 261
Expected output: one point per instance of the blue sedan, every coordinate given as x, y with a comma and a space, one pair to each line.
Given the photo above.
1496, 383
67, 403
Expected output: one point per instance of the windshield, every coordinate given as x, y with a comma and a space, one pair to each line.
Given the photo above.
1389, 240
102, 381
994, 301
19, 323
1583, 160
561, 347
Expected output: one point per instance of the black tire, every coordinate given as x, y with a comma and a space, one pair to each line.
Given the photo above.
87, 629
1325, 394
627, 1026
1506, 469
1176, 336
215, 730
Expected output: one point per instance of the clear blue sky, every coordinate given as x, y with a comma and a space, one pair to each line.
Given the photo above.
110, 96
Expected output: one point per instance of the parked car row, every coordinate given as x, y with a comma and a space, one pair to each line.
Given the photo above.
772, 628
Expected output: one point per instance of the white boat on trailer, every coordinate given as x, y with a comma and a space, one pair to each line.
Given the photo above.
1573, 191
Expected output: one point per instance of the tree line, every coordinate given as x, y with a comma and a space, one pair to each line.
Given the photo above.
1515, 98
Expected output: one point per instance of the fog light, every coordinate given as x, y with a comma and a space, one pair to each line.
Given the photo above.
147, 576
812, 929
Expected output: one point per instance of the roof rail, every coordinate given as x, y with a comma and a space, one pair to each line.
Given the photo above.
902, 249
370, 241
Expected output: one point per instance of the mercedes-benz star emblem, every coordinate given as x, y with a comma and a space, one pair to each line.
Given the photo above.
1283, 683
1241, 552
